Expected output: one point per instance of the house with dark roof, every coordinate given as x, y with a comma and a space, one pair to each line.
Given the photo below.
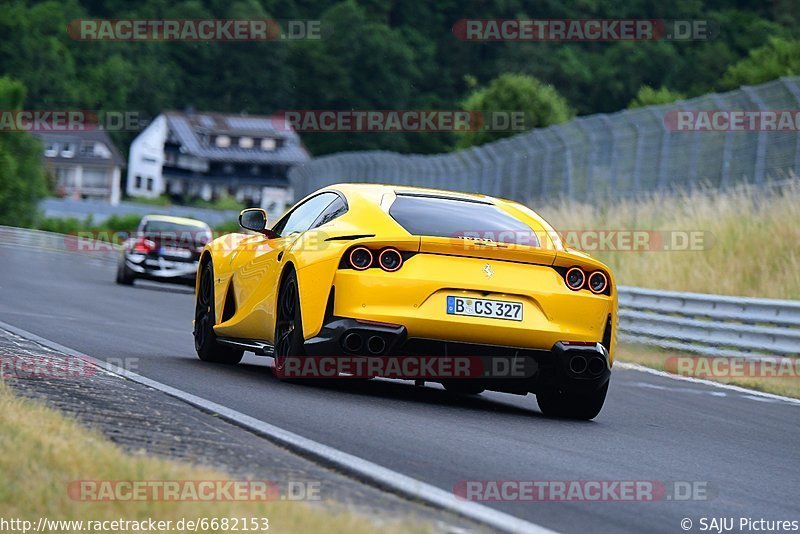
83, 164
191, 155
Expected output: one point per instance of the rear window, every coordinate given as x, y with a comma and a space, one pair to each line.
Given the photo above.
448, 217
183, 233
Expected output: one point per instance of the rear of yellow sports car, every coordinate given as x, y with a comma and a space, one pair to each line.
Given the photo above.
448, 275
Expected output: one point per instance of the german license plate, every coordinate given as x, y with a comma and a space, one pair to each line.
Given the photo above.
176, 252
493, 309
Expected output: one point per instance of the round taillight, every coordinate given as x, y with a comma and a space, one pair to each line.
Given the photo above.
598, 282
360, 258
390, 259
575, 278
144, 246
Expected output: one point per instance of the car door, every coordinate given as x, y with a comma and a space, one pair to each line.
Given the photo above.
260, 264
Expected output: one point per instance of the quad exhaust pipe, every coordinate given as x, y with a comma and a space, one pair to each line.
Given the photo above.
376, 345
593, 366
353, 342
578, 364
596, 365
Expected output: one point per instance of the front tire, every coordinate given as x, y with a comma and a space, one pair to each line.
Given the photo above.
205, 340
124, 275
585, 406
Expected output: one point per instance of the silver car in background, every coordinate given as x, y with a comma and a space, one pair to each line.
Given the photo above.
164, 248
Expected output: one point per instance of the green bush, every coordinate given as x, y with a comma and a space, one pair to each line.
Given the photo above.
779, 57
540, 104
647, 96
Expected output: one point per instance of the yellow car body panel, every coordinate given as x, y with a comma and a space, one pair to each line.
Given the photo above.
249, 268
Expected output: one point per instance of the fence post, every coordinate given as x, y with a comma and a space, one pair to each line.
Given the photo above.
637, 162
663, 155
761, 146
725, 177
590, 157
794, 89
568, 190
614, 155
545, 186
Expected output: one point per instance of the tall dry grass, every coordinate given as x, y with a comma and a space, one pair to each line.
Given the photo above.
753, 250
41, 451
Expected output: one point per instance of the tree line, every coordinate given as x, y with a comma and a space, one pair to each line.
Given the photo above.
387, 54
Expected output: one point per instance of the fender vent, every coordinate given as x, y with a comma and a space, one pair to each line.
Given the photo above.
230, 303
607, 335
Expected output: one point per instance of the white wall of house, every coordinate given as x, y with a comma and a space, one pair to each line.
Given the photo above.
275, 200
115, 183
146, 159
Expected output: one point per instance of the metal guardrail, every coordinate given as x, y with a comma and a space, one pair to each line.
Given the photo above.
692, 322
102, 210
710, 324
39, 239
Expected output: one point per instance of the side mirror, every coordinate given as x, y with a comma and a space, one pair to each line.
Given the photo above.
254, 219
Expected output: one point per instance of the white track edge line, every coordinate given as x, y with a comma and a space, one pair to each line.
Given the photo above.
740, 389
363, 469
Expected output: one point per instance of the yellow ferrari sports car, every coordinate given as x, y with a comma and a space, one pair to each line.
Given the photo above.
412, 280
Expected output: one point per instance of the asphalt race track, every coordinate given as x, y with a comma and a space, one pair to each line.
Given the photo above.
746, 448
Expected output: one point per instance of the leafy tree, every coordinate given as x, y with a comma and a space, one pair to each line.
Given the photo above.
779, 57
647, 96
540, 104
382, 54
22, 181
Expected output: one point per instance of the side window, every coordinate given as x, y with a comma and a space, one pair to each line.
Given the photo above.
335, 209
300, 219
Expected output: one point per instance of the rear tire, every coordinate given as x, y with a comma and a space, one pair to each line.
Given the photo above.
289, 338
205, 340
571, 405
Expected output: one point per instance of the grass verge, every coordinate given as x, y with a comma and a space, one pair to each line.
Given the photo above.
766, 379
41, 451
749, 245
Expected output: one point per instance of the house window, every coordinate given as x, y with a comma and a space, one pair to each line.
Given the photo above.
268, 143
87, 149
68, 151
223, 141
137, 181
245, 142
150, 183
